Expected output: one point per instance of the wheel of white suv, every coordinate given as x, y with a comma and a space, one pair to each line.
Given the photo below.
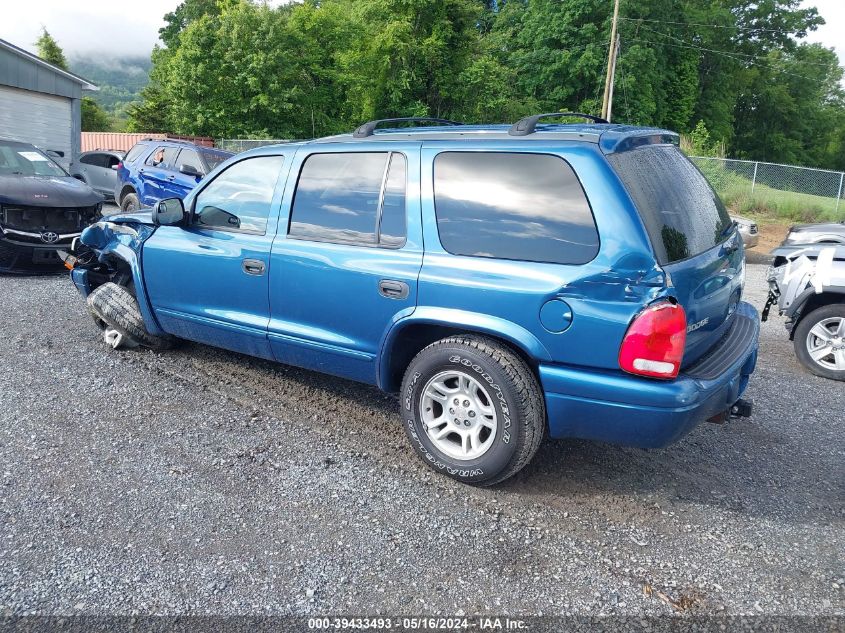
820, 341
472, 409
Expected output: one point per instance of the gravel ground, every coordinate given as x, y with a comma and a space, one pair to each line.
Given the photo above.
203, 482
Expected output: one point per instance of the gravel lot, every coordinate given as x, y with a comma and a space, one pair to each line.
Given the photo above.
203, 482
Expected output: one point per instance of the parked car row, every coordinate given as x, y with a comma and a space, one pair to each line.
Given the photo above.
43, 207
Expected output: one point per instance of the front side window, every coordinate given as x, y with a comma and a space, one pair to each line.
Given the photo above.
504, 205
353, 198
239, 198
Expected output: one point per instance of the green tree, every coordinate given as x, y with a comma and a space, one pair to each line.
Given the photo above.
50, 51
94, 118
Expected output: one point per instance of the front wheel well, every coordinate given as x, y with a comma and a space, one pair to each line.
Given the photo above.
127, 189
411, 340
814, 303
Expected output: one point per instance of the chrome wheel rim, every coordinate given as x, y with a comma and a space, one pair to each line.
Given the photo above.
826, 343
458, 414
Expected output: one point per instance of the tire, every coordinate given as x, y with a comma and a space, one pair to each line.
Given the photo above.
806, 340
118, 309
501, 392
130, 203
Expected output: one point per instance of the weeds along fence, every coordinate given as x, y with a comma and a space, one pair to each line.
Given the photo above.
780, 191
765, 189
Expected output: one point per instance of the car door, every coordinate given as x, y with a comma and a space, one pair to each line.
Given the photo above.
182, 184
90, 166
347, 256
208, 281
154, 174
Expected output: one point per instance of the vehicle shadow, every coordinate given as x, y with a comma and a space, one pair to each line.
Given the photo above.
750, 467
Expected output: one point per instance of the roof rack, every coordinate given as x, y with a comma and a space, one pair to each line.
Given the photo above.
367, 129
526, 126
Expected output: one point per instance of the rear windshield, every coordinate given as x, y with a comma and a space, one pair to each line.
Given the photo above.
212, 159
682, 214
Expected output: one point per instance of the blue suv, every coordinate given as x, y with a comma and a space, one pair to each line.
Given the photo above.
580, 280
156, 169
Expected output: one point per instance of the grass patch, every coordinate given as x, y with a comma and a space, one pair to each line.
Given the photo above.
767, 202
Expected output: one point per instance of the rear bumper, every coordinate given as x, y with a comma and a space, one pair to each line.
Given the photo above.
623, 409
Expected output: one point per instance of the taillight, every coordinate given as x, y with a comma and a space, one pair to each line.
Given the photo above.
654, 343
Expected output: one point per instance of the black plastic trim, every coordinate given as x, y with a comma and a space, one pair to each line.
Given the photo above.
369, 128
726, 352
527, 125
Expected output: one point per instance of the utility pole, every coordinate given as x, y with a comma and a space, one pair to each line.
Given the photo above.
607, 114
611, 64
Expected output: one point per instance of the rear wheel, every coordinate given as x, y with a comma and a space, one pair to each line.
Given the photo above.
130, 203
472, 409
820, 341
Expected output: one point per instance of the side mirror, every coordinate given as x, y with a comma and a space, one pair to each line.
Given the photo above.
114, 167
190, 170
168, 212
55, 152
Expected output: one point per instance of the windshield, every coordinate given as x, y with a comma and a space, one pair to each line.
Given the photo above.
212, 159
22, 159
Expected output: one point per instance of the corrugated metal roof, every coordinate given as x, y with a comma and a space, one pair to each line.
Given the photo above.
15, 50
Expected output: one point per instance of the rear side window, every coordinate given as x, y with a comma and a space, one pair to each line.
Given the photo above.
97, 160
527, 207
134, 153
682, 214
351, 198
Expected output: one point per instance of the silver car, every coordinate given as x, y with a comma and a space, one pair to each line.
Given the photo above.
828, 233
748, 230
98, 170
807, 282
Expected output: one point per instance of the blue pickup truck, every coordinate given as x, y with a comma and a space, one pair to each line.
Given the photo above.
507, 281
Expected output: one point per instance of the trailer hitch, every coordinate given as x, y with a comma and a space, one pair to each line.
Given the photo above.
742, 408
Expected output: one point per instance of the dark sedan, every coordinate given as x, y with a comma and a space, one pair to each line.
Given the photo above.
42, 208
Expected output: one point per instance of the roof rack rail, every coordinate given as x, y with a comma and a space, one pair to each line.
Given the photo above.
527, 125
367, 129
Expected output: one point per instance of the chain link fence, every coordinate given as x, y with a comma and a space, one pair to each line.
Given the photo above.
799, 193
238, 145
788, 191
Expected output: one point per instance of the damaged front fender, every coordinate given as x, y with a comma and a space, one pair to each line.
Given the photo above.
117, 244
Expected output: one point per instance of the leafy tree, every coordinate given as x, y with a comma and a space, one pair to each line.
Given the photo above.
94, 118
50, 51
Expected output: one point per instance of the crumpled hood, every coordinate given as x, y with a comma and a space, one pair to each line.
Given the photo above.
46, 191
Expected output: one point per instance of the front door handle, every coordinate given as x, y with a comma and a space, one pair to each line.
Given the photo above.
253, 267
393, 289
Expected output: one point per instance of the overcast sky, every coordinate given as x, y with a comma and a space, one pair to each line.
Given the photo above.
119, 29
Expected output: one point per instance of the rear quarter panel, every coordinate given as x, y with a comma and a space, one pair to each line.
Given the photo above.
603, 294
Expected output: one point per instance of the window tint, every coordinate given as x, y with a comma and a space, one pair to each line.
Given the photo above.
338, 195
135, 152
111, 161
189, 157
212, 159
527, 207
392, 226
239, 198
682, 214
92, 159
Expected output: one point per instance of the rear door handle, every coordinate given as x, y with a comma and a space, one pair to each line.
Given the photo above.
253, 267
393, 289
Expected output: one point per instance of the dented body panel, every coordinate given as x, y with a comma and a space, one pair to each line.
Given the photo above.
325, 310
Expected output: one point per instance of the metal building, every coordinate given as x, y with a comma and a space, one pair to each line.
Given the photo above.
40, 103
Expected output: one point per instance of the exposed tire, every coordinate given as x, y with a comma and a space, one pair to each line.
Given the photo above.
130, 203
819, 341
118, 309
491, 395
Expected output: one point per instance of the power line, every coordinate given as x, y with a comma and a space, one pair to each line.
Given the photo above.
722, 53
713, 26
734, 54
